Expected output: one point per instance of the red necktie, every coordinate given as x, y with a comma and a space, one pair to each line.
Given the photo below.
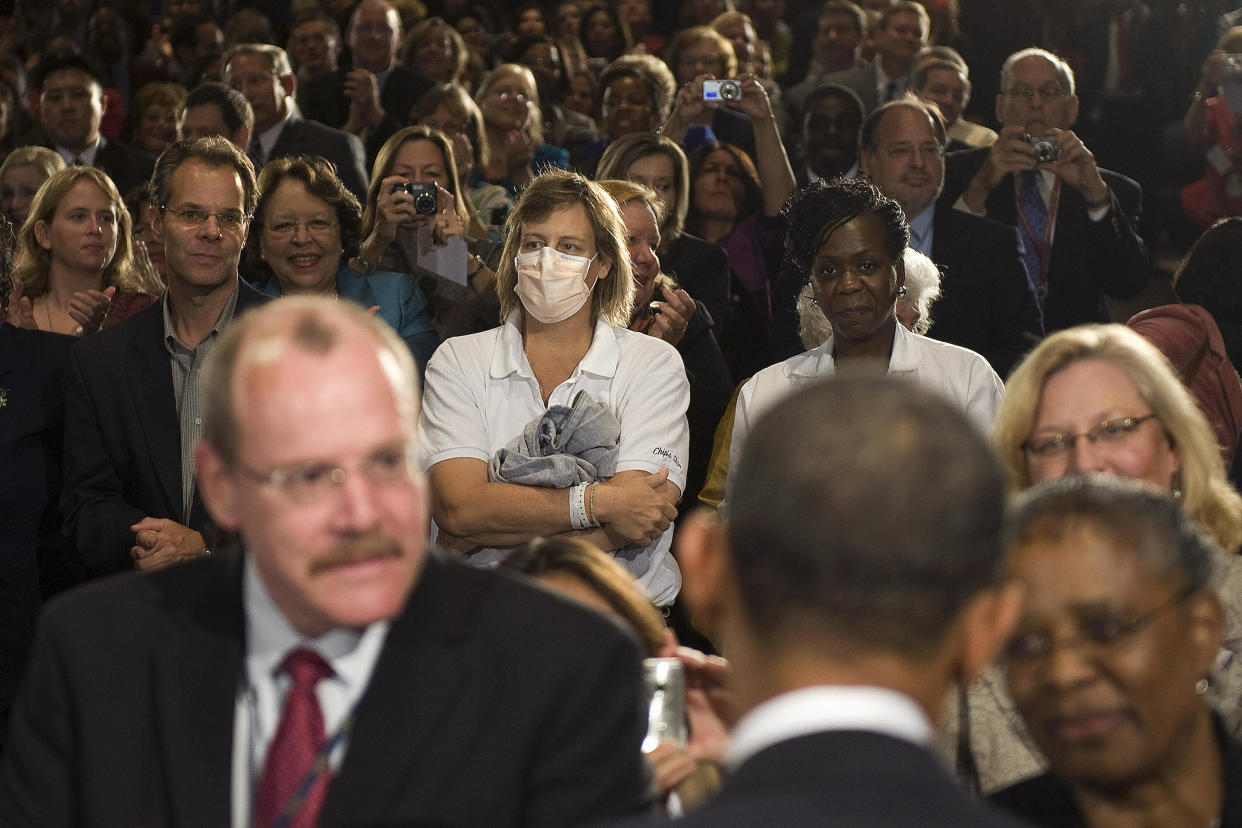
295, 747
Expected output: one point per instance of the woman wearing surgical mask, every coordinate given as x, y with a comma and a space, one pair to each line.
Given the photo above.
611, 401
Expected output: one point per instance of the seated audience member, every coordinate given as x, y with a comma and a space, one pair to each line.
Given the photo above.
604, 36
434, 48
678, 319
132, 394
32, 418
636, 96
696, 54
314, 46
701, 268
1078, 222
331, 619
262, 73
21, 175
1208, 277
987, 302
840, 29
71, 108
371, 98
76, 263
509, 101
1101, 399
305, 228
583, 94
737, 28
1120, 575
845, 240
563, 359
451, 110
845, 631
475, 26
216, 109
638, 18
397, 237
900, 34
148, 252
1192, 344
1212, 129
828, 137
582, 572
155, 115
947, 84
561, 127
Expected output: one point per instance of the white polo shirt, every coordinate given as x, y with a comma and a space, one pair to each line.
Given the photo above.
959, 374
481, 392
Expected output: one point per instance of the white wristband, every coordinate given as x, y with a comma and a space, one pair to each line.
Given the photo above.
577, 507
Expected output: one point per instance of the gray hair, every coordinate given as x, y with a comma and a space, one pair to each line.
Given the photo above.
277, 59
1062, 68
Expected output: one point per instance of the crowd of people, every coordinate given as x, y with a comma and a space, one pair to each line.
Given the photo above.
356, 356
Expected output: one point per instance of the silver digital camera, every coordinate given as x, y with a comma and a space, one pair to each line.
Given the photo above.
1045, 147
722, 90
666, 703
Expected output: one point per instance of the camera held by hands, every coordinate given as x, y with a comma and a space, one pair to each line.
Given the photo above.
425, 201
1045, 147
728, 91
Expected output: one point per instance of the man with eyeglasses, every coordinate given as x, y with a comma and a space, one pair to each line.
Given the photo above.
132, 400
333, 671
371, 99
1078, 222
987, 301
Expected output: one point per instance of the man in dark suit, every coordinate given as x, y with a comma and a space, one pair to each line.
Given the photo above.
71, 108
132, 392
1078, 221
854, 594
987, 301
372, 99
430, 693
262, 73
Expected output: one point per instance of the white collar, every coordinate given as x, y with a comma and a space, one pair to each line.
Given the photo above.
87, 155
601, 358
819, 362
824, 708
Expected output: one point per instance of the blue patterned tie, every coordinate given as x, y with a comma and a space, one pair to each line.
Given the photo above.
255, 151
1031, 202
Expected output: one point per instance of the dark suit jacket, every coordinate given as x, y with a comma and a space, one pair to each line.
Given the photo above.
323, 99
987, 300
303, 137
123, 439
1089, 258
844, 779
491, 704
127, 166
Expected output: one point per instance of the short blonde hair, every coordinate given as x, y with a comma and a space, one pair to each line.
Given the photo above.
613, 297
42, 159
1206, 494
534, 121
686, 38
34, 264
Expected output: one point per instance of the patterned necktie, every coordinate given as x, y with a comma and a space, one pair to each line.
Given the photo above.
294, 749
255, 151
1035, 211
890, 91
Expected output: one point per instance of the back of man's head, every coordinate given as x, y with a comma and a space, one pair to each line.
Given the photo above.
867, 515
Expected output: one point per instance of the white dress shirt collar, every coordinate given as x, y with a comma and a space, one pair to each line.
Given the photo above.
825, 708
86, 156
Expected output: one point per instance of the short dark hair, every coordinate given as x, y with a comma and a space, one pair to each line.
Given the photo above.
648, 70
233, 106
918, 79
213, 150
866, 135
834, 90
61, 62
1138, 516
846, 8
814, 212
869, 508
905, 7
321, 180
752, 196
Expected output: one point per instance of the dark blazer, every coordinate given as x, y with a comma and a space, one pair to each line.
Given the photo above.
127, 166
987, 300
492, 703
1089, 258
702, 269
1047, 800
123, 439
303, 137
844, 779
323, 99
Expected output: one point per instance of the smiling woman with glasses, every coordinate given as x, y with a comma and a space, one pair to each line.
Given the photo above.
1110, 662
305, 227
509, 99
1101, 400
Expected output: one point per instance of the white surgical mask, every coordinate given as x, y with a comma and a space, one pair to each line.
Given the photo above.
551, 284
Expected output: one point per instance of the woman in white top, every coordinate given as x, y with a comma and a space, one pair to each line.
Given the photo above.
846, 239
565, 288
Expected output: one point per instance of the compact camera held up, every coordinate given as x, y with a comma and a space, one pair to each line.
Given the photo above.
424, 195
716, 91
1045, 147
